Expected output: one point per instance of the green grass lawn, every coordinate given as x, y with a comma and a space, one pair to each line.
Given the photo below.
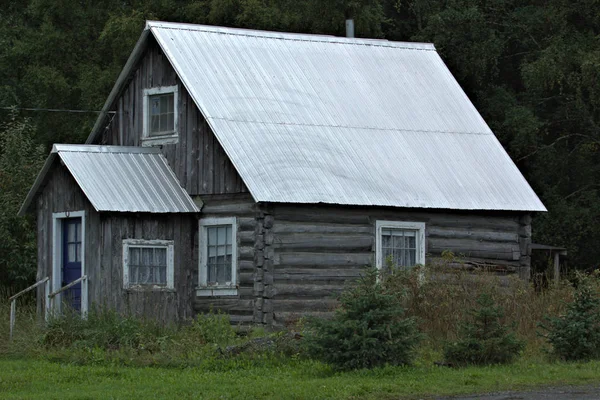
37, 379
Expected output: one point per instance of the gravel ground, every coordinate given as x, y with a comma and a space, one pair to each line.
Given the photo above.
591, 392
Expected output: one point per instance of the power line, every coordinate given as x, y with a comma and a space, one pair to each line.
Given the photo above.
56, 110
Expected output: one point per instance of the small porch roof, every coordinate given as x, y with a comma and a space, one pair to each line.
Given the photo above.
118, 179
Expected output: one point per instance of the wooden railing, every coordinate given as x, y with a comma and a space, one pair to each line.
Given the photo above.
13, 301
68, 286
49, 298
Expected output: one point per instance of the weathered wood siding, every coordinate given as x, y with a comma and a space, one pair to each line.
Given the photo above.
241, 308
197, 159
104, 234
311, 251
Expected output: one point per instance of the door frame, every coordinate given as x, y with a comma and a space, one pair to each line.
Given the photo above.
57, 258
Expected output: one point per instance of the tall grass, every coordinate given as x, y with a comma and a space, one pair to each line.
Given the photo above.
440, 296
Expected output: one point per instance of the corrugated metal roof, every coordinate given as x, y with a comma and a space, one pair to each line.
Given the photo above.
318, 119
121, 179
322, 119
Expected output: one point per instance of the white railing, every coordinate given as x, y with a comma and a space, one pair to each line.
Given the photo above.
13, 301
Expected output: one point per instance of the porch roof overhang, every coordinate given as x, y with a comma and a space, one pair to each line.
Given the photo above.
118, 179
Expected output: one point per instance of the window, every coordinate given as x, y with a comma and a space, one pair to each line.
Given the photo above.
160, 115
218, 257
148, 263
403, 243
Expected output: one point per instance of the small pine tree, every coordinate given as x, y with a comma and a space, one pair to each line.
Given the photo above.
576, 335
368, 330
485, 340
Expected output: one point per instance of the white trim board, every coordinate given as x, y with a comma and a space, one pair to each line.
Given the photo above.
203, 288
167, 138
409, 225
57, 245
154, 243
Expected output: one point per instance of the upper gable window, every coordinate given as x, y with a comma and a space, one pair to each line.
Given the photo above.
160, 115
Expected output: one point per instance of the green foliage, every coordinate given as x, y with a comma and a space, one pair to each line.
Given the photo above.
20, 161
368, 330
576, 334
485, 340
214, 328
103, 329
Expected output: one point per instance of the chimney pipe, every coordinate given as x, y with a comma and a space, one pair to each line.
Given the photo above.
350, 28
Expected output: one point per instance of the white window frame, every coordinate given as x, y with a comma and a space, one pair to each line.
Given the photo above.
171, 137
144, 243
203, 288
415, 226
57, 262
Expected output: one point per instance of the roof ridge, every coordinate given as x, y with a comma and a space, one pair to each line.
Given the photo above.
291, 36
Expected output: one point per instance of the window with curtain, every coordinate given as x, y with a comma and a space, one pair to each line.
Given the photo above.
148, 263
218, 261
400, 243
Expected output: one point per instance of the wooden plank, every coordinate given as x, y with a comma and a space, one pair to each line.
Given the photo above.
467, 245
284, 290
320, 228
324, 242
472, 234
230, 209
323, 259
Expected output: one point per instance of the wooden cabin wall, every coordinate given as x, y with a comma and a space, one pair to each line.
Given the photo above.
60, 194
165, 305
311, 251
104, 234
241, 308
198, 160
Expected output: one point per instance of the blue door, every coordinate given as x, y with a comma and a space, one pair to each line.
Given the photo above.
72, 261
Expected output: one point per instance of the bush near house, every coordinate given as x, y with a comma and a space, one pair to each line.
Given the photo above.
575, 334
368, 330
485, 339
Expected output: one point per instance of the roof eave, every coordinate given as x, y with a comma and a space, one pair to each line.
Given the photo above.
134, 57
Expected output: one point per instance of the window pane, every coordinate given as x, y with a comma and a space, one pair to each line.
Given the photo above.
164, 104
78, 251
222, 235
170, 102
212, 236
154, 105
170, 122
72, 252
163, 123
134, 256
398, 241
401, 244
160, 257
148, 265
155, 123
71, 232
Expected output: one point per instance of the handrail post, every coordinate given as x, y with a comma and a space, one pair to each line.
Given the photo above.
47, 303
13, 312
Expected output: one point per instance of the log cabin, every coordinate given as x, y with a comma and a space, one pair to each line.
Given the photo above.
256, 172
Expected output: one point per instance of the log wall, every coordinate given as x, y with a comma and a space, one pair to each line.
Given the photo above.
313, 250
241, 308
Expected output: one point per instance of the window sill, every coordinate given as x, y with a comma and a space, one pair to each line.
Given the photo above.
216, 291
141, 288
158, 140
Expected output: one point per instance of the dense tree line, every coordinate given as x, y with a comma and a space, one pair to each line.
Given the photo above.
531, 67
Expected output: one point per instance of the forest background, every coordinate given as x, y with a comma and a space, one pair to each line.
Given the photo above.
531, 67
